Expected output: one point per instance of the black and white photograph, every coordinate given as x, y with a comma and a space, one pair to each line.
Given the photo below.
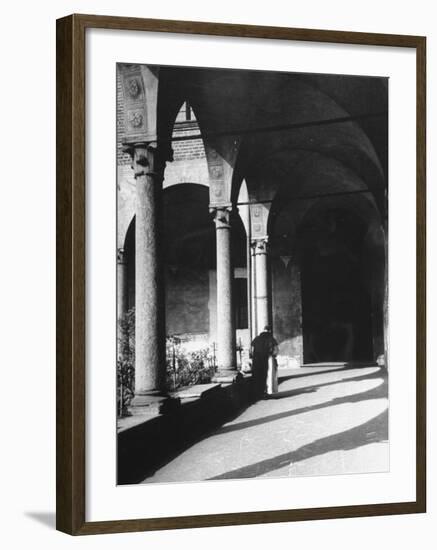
252, 294
217, 291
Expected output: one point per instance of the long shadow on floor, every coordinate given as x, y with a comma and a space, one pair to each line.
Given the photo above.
318, 372
306, 389
373, 431
326, 369
371, 394
375, 393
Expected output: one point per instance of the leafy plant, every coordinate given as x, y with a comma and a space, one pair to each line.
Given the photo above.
183, 367
186, 368
126, 362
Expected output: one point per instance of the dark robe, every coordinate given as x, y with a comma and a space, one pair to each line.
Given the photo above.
263, 346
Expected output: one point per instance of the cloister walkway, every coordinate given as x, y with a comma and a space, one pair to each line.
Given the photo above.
324, 420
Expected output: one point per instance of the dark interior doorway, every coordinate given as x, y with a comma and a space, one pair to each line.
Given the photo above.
336, 303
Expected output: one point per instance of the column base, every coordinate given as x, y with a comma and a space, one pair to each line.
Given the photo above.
151, 403
227, 376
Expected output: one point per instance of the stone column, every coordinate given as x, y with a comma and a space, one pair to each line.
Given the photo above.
261, 284
121, 283
253, 291
149, 298
226, 354
249, 288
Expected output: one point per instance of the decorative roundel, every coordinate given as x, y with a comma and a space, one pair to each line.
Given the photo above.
136, 119
133, 88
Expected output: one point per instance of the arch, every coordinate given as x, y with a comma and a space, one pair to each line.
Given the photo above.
129, 257
171, 96
189, 258
313, 177
303, 103
303, 280
290, 164
336, 287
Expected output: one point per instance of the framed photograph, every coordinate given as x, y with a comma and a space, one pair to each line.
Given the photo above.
240, 274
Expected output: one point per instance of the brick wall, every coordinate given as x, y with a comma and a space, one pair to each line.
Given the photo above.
187, 149
183, 150
122, 158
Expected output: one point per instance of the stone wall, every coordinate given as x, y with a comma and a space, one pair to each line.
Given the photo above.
187, 295
287, 311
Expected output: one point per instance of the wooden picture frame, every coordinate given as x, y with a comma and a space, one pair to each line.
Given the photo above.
71, 253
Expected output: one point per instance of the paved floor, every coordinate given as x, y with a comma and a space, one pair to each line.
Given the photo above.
322, 421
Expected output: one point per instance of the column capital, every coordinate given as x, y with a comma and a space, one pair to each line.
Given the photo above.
259, 245
149, 157
222, 216
121, 257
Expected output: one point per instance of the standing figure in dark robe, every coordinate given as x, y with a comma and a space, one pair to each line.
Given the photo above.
263, 347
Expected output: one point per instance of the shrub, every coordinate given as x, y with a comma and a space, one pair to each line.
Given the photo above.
186, 368
126, 361
183, 367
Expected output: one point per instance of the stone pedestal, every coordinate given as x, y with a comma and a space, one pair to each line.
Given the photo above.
143, 405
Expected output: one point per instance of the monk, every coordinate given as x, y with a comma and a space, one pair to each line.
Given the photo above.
263, 348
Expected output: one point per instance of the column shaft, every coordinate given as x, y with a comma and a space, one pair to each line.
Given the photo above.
249, 287
121, 284
149, 306
255, 330
226, 360
262, 289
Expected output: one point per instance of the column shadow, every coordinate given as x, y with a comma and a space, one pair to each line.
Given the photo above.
374, 393
372, 431
317, 373
315, 387
379, 392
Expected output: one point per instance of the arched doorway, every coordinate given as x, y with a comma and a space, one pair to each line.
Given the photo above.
336, 292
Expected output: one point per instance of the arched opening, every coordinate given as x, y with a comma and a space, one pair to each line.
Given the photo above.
336, 288
327, 250
189, 258
129, 258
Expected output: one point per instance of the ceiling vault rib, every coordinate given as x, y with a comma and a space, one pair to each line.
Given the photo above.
280, 128
308, 197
